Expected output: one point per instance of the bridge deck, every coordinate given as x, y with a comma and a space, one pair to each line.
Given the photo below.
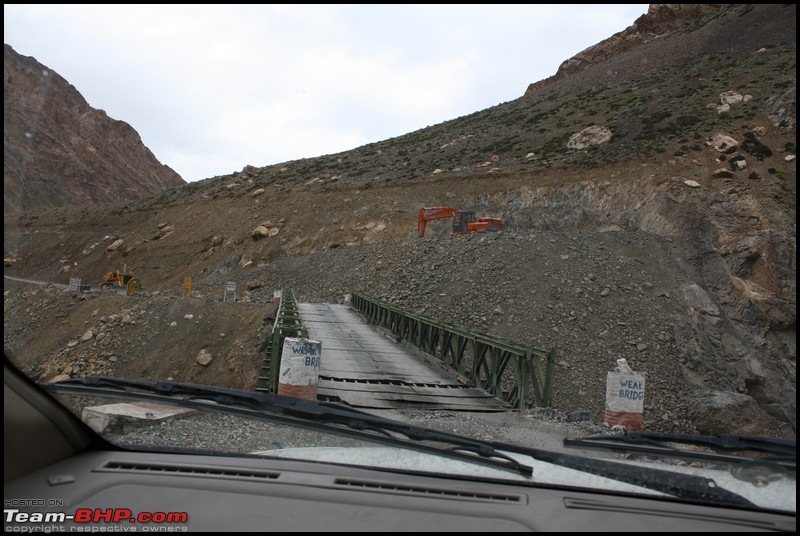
365, 369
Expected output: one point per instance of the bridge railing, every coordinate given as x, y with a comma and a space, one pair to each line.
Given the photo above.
519, 374
287, 324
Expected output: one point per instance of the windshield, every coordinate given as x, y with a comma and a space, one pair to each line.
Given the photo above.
591, 286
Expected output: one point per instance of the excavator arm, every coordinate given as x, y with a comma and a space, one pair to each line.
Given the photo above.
427, 214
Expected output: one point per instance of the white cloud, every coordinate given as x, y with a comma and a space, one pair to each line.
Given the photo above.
212, 88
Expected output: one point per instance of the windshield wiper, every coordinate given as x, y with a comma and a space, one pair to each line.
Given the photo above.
782, 452
680, 485
293, 411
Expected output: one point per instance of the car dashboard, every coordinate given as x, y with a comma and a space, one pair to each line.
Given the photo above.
114, 489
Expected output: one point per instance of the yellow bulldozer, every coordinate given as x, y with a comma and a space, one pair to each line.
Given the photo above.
122, 279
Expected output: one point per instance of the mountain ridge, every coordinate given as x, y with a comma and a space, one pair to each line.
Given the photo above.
59, 151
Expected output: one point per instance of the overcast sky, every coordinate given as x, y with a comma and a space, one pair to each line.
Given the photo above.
213, 88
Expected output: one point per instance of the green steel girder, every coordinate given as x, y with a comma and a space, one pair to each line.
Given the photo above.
288, 323
485, 360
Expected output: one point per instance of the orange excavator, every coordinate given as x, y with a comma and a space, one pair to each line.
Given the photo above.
464, 221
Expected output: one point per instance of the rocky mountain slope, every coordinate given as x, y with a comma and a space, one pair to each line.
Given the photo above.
58, 151
650, 193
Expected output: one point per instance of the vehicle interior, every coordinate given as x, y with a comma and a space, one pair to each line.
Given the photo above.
53, 460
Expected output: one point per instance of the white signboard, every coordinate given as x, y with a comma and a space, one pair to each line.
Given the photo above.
625, 391
625, 399
299, 369
230, 286
74, 285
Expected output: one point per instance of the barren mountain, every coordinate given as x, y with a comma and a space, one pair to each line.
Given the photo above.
650, 193
58, 151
